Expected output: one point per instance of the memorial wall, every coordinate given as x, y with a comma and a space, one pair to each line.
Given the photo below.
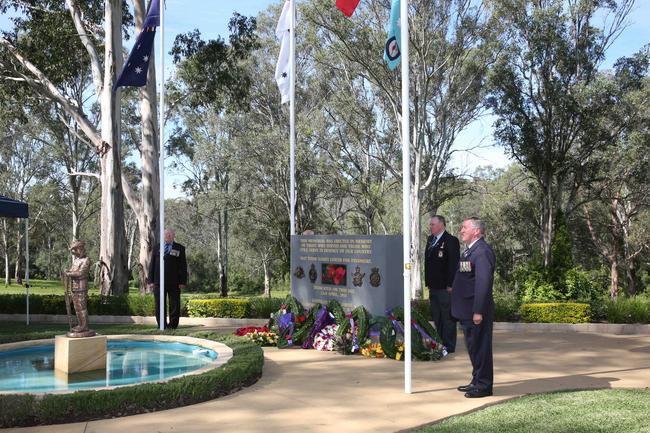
354, 270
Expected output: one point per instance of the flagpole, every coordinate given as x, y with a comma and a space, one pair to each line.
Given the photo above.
161, 169
292, 117
406, 191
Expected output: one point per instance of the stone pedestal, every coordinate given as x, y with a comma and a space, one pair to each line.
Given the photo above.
73, 355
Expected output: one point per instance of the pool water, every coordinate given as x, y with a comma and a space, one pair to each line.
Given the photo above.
128, 362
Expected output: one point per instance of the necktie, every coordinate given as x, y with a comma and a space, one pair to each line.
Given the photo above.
168, 248
434, 242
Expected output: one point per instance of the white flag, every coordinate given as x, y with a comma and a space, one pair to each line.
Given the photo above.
283, 67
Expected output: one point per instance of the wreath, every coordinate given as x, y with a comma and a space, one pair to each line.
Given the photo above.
304, 336
288, 321
324, 340
425, 342
353, 331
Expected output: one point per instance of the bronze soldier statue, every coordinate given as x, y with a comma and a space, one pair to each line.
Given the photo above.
77, 284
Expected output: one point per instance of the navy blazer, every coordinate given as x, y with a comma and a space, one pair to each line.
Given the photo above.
175, 267
441, 261
472, 290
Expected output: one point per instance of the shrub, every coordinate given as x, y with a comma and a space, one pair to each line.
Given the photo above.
262, 307
506, 307
244, 284
224, 307
628, 310
243, 369
130, 305
555, 313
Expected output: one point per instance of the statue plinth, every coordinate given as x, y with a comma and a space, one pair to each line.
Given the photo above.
73, 355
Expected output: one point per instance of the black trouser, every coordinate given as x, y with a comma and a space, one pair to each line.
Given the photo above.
440, 301
174, 295
478, 339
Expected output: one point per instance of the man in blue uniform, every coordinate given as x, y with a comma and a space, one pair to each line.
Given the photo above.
175, 277
440, 264
472, 303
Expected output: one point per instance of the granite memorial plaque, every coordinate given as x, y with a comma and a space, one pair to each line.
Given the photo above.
354, 270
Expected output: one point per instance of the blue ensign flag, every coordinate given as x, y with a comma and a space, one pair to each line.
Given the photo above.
392, 49
134, 72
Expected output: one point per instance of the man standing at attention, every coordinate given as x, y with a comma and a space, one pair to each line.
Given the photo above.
440, 264
472, 303
175, 277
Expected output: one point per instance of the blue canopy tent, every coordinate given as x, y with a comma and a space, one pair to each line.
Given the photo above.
10, 208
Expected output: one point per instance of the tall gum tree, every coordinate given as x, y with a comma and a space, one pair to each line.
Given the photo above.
452, 46
106, 141
542, 95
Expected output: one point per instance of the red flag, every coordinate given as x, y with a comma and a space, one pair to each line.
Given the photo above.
347, 6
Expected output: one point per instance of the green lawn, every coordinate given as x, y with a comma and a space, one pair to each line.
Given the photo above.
55, 287
601, 411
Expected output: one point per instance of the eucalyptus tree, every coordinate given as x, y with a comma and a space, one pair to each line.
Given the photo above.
41, 54
210, 86
24, 161
141, 190
452, 45
618, 214
545, 100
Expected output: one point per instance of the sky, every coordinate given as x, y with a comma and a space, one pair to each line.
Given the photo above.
474, 145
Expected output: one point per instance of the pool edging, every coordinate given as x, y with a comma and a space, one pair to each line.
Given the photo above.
224, 352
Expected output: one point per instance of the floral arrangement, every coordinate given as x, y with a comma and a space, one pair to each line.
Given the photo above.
372, 350
324, 340
263, 338
249, 329
260, 335
399, 351
328, 327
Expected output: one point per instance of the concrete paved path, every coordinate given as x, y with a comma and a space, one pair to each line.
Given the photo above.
309, 391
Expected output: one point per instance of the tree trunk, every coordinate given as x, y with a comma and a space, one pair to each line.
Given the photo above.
112, 251
416, 206
49, 256
267, 275
613, 288
548, 225
224, 257
147, 213
5, 249
19, 255
75, 186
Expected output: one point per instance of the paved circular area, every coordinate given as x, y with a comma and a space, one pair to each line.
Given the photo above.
309, 391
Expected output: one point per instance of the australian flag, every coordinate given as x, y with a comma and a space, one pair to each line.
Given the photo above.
135, 69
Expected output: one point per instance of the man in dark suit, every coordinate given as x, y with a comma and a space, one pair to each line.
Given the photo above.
175, 277
440, 264
472, 303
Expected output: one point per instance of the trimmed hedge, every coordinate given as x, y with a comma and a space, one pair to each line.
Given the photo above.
138, 305
555, 313
224, 307
243, 369
128, 305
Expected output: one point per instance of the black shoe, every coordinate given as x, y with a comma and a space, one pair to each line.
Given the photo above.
478, 393
465, 388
